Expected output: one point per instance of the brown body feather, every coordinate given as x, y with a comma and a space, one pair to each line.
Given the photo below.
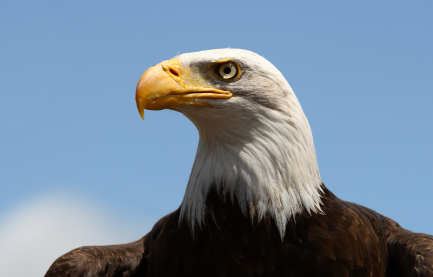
347, 240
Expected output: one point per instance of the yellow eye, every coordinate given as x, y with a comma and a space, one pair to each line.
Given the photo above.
227, 70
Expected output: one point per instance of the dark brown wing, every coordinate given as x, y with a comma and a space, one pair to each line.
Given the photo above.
410, 254
124, 260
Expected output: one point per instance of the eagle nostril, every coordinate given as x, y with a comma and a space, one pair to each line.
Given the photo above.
174, 72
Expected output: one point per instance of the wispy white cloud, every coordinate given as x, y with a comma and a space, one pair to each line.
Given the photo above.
35, 234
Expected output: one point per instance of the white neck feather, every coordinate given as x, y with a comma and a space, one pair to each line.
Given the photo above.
269, 166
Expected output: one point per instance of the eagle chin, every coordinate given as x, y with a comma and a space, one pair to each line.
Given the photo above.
255, 204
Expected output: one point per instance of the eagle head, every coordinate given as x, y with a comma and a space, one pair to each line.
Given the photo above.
255, 142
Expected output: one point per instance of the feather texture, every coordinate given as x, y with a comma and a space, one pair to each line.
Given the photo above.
124, 260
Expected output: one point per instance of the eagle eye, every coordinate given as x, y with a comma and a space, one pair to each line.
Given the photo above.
227, 71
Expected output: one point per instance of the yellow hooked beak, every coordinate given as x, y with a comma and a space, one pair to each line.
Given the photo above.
163, 87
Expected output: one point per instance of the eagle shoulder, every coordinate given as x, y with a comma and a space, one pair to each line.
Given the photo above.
110, 260
410, 254
126, 260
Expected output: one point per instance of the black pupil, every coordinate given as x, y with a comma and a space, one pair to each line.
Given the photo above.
227, 70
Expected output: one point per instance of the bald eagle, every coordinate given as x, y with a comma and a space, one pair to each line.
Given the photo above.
255, 204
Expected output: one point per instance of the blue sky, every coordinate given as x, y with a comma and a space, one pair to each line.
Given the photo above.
75, 152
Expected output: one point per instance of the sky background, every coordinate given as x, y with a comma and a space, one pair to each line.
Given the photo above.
78, 166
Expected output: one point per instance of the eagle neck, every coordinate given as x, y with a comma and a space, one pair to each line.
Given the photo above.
270, 169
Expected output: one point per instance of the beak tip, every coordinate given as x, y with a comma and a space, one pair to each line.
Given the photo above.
140, 105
